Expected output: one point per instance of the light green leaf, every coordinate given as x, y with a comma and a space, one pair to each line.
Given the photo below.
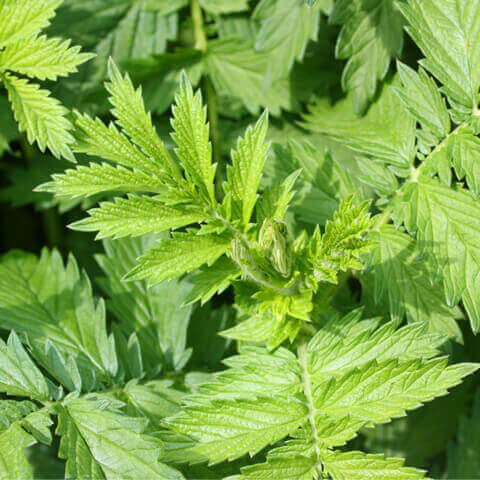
209, 281
96, 139
378, 392
24, 18
358, 466
230, 429
243, 177
136, 216
13, 459
191, 134
129, 110
180, 254
371, 36
42, 57
99, 178
41, 116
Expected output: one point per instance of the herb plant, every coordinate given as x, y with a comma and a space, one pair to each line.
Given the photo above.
289, 264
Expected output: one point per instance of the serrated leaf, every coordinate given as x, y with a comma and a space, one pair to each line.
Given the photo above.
155, 313
180, 254
238, 427
286, 27
45, 299
209, 281
379, 392
13, 459
243, 177
358, 466
237, 70
403, 280
43, 58
19, 376
24, 18
371, 36
349, 343
386, 133
109, 445
136, 215
94, 138
192, 136
448, 33
129, 109
423, 100
444, 222
99, 178
41, 116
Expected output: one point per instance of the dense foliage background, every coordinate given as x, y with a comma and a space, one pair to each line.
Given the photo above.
326, 73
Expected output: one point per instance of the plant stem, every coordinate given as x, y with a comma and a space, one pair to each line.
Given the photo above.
199, 32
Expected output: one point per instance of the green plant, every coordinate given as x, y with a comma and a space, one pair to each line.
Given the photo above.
327, 255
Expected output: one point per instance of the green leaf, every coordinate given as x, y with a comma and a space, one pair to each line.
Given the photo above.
230, 429
378, 392
108, 445
349, 343
13, 459
402, 279
24, 18
463, 458
191, 134
371, 36
209, 281
136, 215
99, 178
448, 33
39, 57
129, 110
358, 466
224, 6
45, 299
155, 313
386, 133
444, 221
463, 149
41, 116
180, 254
421, 97
237, 70
286, 27
154, 400
243, 177
19, 376
96, 139
120, 29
